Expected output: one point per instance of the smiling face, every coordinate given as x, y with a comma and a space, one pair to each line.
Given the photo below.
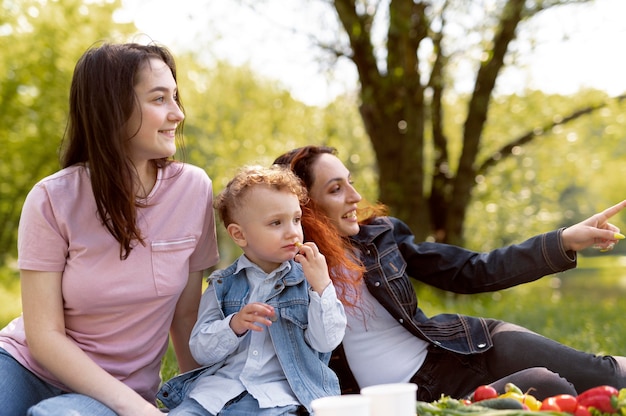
333, 193
152, 124
267, 225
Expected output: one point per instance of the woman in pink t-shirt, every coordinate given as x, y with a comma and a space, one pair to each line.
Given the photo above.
112, 248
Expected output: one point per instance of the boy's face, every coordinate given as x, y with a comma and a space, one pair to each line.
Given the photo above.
268, 226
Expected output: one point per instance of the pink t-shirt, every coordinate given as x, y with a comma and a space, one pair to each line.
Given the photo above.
118, 312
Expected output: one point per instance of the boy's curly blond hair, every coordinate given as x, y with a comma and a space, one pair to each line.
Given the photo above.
275, 177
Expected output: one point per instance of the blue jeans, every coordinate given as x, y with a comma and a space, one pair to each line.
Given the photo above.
23, 393
243, 405
70, 404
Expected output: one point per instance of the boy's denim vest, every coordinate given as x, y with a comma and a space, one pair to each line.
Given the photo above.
306, 370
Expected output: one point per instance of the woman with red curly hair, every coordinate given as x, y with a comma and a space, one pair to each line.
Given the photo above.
390, 339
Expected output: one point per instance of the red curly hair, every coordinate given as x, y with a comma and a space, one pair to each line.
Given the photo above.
345, 268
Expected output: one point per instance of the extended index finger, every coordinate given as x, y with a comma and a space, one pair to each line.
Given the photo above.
609, 212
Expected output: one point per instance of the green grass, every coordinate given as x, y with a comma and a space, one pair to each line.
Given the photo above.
10, 301
581, 308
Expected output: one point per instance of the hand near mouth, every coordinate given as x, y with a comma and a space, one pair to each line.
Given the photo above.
314, 266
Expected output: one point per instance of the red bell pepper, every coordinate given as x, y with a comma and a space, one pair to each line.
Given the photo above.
603, 398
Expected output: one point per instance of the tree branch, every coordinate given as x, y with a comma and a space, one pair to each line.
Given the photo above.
507, 150
485, 83
358, 29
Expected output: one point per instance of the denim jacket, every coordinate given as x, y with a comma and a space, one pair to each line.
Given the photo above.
306, 369
390, 255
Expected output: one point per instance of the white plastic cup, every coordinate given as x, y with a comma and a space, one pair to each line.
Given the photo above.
346, 405
397, 399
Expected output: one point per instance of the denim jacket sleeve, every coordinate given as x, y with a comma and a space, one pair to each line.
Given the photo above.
460, 270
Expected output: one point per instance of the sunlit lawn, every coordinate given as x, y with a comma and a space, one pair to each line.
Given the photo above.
582, 308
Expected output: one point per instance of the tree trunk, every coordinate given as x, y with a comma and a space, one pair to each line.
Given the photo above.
396, 113
392, 106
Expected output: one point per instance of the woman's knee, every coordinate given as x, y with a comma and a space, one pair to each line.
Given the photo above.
538, 381
70, 404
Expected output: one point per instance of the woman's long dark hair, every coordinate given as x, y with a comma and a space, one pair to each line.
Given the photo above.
102, 99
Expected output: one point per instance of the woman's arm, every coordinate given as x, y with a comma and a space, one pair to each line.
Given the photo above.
185, 317
44, 323
459, 270
463, 271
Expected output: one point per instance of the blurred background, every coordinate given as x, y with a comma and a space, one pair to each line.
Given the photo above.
478, 122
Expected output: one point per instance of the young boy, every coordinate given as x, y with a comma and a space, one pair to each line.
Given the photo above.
268, 322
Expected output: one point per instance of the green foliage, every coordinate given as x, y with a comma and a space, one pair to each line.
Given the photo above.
10, 301
40, 42
235, 118
564, 176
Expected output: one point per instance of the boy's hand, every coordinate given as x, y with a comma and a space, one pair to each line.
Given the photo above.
251, 317
314, 266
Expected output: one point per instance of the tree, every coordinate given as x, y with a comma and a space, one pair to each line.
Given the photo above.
404, 81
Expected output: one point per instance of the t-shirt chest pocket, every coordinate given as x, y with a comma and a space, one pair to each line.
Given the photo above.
170, 264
